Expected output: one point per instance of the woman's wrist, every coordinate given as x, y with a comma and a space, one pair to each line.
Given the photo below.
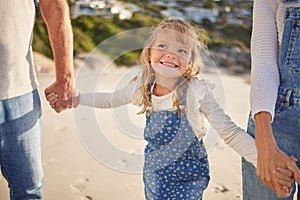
263, 116
263, 130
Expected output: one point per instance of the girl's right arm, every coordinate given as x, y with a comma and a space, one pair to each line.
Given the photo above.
106, 99
100, 99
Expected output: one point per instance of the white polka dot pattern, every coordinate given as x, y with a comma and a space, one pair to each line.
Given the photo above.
176, 165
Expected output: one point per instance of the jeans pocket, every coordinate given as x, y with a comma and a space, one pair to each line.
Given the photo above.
279, 106
293, 53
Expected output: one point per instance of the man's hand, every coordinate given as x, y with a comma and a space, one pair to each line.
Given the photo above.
65, 91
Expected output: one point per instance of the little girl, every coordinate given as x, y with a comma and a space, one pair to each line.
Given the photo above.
174, 101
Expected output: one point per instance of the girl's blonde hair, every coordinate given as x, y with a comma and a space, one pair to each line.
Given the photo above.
189, 35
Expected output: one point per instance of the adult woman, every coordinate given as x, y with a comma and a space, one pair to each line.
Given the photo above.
275, 95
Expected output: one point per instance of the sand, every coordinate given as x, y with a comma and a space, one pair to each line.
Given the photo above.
73, 171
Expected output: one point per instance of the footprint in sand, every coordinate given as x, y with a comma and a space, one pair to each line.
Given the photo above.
121, 164
79, 186
50, 162
86, 198
221, 188
128, 187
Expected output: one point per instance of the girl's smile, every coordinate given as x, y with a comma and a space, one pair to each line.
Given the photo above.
169, 64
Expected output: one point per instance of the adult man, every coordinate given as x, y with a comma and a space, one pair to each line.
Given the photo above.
20, 109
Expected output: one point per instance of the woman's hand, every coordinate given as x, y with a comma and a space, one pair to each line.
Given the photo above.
270, 157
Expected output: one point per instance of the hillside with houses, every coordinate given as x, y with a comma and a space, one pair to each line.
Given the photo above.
227, 22
197, 11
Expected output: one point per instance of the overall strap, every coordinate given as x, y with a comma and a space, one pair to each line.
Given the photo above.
183, 95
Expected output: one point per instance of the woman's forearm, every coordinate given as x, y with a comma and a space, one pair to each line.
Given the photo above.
264, 135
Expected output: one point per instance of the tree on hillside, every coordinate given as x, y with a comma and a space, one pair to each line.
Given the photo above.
209, 4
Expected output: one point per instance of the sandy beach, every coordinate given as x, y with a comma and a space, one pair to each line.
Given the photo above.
73, 171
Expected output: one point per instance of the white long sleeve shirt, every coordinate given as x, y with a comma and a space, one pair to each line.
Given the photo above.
268, 25
199, 102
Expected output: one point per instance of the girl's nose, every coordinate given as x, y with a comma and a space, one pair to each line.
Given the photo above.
170, 55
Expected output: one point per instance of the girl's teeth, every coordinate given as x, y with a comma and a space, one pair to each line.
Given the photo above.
169, 65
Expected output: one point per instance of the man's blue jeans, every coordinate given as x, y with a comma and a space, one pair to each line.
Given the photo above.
20, 145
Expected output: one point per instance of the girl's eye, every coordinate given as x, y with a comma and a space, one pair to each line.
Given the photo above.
163, 46
182, 51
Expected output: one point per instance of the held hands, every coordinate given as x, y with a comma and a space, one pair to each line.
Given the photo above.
284, 177
272, 162
277, 176
64, 91
52, 98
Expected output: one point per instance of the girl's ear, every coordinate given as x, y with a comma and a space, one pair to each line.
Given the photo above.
188, 73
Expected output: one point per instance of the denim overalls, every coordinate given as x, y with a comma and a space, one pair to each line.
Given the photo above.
176, 164
286, 123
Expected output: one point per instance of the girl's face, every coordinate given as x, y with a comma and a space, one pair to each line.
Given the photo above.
170, 54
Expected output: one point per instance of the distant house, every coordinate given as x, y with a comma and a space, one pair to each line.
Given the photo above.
236, 16
104, 8
199, 14
97, 4
234, 21
185, 1
87, 7
116, 9
124, 10
171, 12
125, 14
121, 11
167, 3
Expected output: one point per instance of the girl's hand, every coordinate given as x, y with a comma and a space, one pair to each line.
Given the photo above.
52, 98
285, 177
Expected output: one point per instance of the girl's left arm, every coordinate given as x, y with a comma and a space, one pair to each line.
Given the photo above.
233, 135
